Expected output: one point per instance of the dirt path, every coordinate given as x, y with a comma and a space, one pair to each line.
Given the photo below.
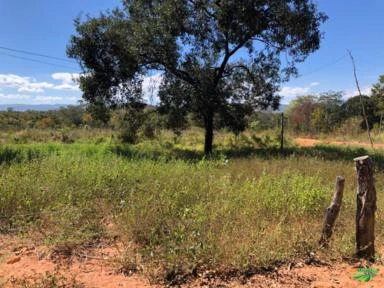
23, 264
309, 142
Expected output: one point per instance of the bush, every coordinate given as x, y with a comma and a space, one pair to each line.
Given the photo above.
128, 123
151, 125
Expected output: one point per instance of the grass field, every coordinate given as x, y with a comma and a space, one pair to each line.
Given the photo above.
177, 212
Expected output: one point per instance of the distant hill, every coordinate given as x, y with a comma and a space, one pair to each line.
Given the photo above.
26, 107
283, 107
47, 107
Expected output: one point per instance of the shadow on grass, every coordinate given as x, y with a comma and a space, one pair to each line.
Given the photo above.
9, 155
322, 152
156, 153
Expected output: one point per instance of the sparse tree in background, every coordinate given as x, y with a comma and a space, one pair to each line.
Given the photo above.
263, 120
378, 99
352, 108
195, 43
328, 113
300, 112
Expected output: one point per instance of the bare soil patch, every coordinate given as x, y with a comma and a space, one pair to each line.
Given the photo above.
22, 263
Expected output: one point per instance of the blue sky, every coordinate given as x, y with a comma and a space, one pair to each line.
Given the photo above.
44, 26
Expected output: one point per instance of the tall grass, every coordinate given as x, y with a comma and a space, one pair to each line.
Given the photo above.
177, 214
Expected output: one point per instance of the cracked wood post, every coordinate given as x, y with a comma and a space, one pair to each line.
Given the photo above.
332, 212
366, 207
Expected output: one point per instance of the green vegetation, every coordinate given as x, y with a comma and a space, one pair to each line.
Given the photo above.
365, 274
214, 57
118, 170
176, 211
51, 280
328, 113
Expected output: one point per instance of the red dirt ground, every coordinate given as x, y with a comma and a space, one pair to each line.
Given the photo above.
22, 260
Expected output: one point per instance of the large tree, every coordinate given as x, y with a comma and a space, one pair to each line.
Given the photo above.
378, 96
328, 113
217, 53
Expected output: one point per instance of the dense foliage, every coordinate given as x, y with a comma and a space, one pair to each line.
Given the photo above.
194, 43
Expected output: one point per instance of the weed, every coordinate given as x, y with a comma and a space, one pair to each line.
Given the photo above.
183, 213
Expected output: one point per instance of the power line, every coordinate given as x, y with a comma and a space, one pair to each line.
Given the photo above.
38, 61
37, 54
324, 66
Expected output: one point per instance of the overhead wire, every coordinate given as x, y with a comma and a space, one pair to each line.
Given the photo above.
38, 61
73, 62
330, 64
37, 54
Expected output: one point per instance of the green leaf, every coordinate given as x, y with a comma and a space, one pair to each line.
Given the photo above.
365, 274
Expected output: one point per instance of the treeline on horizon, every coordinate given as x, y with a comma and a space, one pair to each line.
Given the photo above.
310, 115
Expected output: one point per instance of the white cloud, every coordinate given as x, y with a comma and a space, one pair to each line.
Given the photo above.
48, 99
66, 77
23, 84
35, 87
66, 87
28, 84
351, 93
39, 99
11, 80
69, 81
14, 97
290, 93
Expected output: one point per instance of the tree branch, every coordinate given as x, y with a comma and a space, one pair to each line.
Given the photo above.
210, 14
250, 74
228, 55
172, 69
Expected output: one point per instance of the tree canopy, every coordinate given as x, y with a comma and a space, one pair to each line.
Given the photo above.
213, 54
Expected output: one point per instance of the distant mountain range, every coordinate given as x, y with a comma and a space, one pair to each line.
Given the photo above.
283, 107
47, 107
26, 107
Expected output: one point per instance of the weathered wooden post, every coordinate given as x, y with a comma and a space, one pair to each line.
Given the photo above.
366, 207
332, 212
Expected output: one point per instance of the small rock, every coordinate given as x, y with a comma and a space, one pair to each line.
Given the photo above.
41, 255
14, 260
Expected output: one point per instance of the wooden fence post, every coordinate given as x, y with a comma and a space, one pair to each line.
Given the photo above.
366, 207
332, 212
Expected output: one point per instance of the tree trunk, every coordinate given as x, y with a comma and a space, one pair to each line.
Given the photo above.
208, 123
366, 207
332, 212
282, 134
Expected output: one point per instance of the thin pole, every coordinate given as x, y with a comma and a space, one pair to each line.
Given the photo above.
361, 99
282, 133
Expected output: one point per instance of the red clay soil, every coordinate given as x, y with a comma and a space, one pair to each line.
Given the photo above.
309, 142
22, 262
